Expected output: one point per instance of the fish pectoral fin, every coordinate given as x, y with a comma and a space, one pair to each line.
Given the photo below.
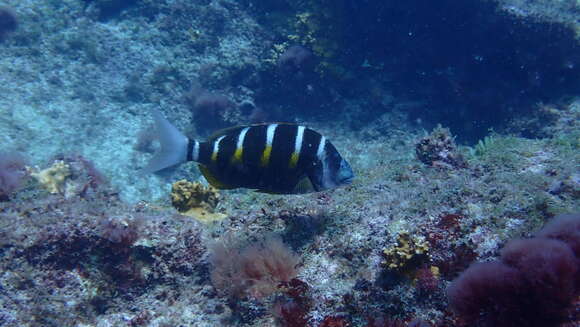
304, 185
212, 180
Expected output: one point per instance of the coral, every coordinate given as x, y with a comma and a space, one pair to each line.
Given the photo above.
70, 176
439, 149
12, 173
549, 269
485, 288
93, 252
334, 321
535, 282
290, 313
212, 104
408, 251
87, 173
8, 22
564, 228
107, 9
292, 309
296, 59
569, 185
456, 260
54, 178
211, 110
427, 279
121, 231
418, 323
385, 322
257, 270
320, 28
196, 200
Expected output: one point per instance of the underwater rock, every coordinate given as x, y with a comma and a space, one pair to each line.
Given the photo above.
196, 200
438, 149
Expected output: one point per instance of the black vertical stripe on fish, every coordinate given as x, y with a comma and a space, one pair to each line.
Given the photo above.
205, 150
225, 150
254, 145
310, 142
277, 174
282, 146
222, 147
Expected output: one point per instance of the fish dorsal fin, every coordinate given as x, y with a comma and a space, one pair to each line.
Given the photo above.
233, 129
212, 180
223, 131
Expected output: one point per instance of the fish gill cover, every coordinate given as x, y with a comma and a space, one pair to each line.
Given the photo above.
460, 120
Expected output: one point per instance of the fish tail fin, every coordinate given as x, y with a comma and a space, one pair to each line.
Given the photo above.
173, 144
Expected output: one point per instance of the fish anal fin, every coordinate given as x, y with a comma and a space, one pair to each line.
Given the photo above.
214, 181
304, 185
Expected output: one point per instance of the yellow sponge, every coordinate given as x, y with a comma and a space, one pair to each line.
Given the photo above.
53, 178
195, 200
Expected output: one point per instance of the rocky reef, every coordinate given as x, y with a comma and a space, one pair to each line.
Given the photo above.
465, 149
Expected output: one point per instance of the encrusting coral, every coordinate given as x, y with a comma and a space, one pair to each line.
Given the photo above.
438, 149
196, 200
53, 178
407, 250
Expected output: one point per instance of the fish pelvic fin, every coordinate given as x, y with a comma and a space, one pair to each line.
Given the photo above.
174, 145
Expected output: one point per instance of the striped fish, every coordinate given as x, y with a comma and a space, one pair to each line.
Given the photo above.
274, 158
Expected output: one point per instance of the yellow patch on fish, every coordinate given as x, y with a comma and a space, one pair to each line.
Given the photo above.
265, 160
237, 157
294, 160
